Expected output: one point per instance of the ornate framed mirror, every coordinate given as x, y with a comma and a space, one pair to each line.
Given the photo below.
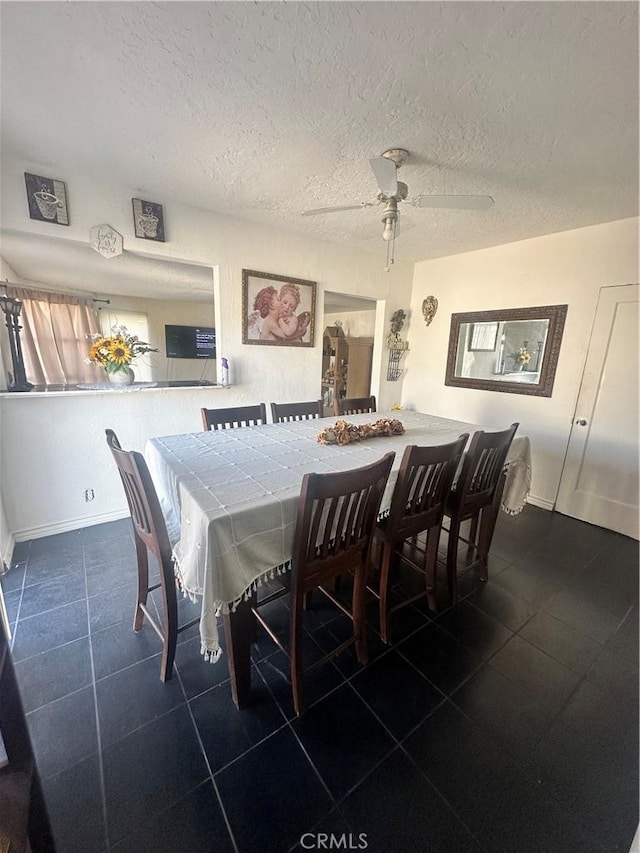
514, 350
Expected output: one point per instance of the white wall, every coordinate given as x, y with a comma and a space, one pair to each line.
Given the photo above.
54, 460
355, 324
54, 447
228, 245
569, 267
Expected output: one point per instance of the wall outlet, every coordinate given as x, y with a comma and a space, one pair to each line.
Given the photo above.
89, 495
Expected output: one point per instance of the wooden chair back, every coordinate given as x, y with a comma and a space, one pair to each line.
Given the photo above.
336, 517
235, 416
146, 515
334, 530
285, 412
476, 495
150, 534
482, 467
355, 405
423, 485
417, 506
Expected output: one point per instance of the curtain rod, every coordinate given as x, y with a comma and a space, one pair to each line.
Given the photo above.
6, 283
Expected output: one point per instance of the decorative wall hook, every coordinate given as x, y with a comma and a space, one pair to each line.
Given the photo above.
429, 308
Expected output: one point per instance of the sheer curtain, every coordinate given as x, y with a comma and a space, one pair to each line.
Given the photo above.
55, 337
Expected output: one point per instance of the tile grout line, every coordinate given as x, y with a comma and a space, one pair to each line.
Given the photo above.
22, 585
206, 761
103, 791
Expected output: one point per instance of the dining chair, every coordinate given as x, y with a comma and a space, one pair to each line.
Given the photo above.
150, 534
355, 405
333, 535
284, 412
475, 497
417, 506
235, 416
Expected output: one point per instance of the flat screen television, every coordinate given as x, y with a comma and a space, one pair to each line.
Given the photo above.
190, 342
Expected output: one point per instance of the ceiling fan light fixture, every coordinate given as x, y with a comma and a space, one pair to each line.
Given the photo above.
389, 230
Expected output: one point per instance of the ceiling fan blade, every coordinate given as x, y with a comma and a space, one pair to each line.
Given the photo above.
386, 174
461, 202
336, 209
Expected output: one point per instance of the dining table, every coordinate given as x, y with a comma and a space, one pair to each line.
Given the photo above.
230, 500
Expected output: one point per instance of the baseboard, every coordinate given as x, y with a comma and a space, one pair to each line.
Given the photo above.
7, 553
71, 524
541, 502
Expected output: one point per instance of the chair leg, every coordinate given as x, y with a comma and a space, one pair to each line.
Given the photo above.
473, 535
430, 564
359, 614
387, 554
170, 626
487, 525
142, 557
295, 653
452, 559
239, 629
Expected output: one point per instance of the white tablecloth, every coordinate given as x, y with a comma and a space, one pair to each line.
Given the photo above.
230, 496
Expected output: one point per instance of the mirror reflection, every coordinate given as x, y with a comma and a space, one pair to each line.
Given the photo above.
514, 350
511, 351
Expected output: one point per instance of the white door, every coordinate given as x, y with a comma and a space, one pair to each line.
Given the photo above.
599, 481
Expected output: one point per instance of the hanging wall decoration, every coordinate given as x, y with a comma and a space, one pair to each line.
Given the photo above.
148, 221
106, 241
396, 346
429, 308
47, 199
277, 310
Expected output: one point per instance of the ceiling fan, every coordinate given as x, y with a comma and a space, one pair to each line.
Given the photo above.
391, 191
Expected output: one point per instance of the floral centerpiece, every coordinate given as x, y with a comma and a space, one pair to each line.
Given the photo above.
522, 357
116, 352
343, 432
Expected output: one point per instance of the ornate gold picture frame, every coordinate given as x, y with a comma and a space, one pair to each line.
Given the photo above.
277, 310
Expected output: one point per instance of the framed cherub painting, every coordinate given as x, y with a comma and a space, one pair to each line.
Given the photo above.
277, 310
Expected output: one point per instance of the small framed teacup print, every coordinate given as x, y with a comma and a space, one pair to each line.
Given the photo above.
148, 220
47, 199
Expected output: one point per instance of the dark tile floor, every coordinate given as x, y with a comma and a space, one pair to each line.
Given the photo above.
508, 723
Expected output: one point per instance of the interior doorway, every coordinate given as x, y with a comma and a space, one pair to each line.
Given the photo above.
347, 348
599, 482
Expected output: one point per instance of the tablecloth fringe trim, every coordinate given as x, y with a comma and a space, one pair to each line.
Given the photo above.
186, 593
512, 511
210, 655
269, 575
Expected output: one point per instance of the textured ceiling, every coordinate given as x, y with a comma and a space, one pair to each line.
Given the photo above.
268, 109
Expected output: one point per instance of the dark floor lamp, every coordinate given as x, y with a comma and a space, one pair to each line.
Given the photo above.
11, 308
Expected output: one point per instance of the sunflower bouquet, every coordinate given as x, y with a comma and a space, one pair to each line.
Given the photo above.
116, 352
522, 357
